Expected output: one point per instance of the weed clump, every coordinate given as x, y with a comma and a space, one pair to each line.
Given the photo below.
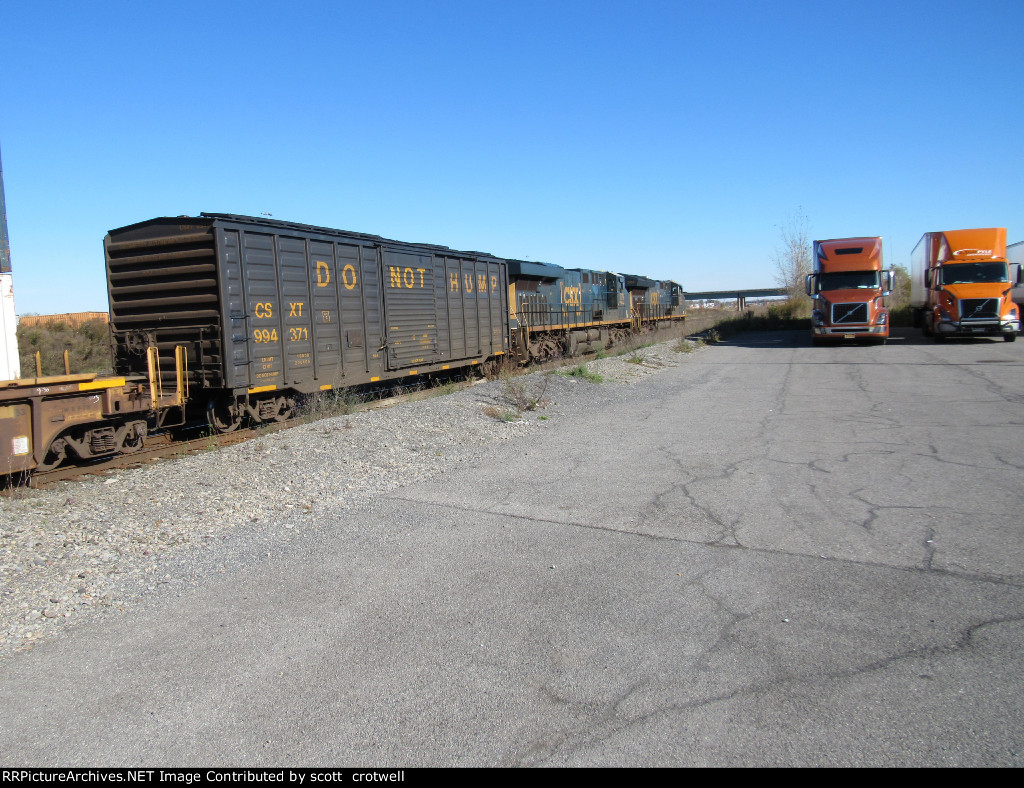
521, 396
582, 372
518, 397
334, 402
500, 414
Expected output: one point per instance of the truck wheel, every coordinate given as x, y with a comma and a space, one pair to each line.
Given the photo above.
1009, 337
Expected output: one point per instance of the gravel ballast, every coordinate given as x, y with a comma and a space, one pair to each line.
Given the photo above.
96, 547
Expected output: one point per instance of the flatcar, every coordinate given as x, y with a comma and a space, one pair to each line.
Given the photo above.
45, 420
230, 319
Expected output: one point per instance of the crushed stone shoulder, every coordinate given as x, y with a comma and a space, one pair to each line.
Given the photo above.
84, 549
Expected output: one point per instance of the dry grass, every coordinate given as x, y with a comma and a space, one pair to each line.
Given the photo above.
500, 414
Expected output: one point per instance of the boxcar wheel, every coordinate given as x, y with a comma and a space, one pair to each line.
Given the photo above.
223, 419
286, 409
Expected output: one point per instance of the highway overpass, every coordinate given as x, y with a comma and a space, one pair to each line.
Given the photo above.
740, 296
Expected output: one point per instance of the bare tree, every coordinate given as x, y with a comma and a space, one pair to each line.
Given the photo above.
900, 287
792, 258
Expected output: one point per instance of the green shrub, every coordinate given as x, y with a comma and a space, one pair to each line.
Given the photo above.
88, 348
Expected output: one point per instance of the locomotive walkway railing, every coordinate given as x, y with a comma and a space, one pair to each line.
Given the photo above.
541, 317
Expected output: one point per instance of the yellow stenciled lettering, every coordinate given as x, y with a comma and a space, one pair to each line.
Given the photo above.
408, 277
323, 274
348, 276
264, 309
396, 275
572, 295
481, 284
421, 271
467, 280
295, 308
453, 282
494, 284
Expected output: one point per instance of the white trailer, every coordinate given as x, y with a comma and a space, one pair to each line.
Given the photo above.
10, 364
1015, 257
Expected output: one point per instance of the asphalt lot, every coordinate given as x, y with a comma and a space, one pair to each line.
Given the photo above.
771, 555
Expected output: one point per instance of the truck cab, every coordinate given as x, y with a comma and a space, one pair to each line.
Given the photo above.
961, 285
848, 288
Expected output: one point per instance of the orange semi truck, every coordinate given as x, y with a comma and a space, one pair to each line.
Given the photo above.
960, 285
848, 287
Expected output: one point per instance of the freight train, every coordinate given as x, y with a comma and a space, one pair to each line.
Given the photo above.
234, 319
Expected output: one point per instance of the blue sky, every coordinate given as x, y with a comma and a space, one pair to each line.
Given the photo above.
671, 139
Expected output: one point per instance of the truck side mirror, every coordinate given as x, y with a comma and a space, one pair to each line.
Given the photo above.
887, 280
1020, 275
809, 283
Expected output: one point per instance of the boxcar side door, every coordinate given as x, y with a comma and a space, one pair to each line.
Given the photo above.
410, 314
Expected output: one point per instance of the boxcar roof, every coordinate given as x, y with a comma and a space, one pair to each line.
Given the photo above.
278, 225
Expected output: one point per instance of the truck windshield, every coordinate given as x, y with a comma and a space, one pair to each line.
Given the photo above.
963, 273
849, 280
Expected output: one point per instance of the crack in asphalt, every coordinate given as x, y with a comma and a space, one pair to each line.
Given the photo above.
960, 575
587, 739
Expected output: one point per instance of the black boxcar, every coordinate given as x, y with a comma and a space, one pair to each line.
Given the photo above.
269, 309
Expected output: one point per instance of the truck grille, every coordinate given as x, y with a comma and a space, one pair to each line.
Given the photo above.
979, 309
849, 313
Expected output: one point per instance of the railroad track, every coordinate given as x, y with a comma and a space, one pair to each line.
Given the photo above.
164, 445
